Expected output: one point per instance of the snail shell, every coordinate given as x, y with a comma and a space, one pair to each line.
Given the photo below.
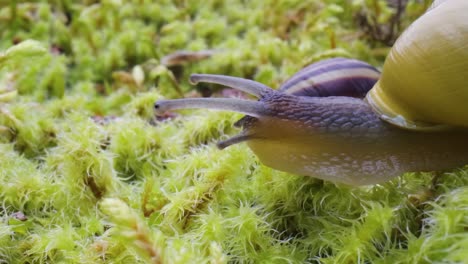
424, 84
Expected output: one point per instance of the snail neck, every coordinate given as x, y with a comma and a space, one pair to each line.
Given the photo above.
335, 115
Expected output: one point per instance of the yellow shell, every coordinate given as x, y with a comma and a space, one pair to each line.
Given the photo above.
424, 83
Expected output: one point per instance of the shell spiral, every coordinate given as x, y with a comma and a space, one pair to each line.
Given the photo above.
333, 77
424, 83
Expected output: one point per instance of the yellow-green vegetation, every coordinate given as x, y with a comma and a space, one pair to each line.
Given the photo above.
88, 173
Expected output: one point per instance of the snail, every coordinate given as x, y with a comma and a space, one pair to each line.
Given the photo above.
341, 120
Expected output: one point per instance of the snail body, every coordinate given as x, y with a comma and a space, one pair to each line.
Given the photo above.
317, 123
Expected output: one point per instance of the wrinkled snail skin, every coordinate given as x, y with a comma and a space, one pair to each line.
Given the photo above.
415, 117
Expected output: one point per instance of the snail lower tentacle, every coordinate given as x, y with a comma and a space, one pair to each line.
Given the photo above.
234, 140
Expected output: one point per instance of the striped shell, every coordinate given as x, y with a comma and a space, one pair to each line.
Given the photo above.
333, 77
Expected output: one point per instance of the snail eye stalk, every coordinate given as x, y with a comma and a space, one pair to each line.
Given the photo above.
251, 87
252, 108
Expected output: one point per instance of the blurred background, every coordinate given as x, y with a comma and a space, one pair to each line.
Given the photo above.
102, 41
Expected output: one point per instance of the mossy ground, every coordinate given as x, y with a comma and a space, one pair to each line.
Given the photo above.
88, 174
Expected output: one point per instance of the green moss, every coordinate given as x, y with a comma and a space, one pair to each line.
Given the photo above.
90, 175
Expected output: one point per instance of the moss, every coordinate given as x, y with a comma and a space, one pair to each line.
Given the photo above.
90, 175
